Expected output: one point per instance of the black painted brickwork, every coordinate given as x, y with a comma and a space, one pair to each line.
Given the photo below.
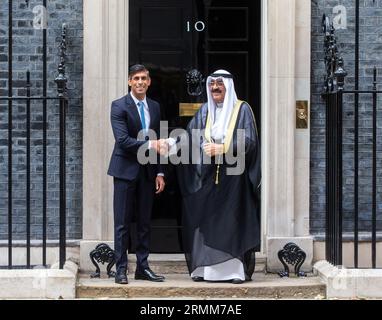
370, 56
27, 54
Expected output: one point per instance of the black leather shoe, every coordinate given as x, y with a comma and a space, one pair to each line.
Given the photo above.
197, 279
121, 278
148, 274
237, 281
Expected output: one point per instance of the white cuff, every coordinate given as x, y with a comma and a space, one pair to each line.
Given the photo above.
171, 141
172, 146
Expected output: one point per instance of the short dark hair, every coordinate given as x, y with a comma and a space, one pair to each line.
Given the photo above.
137, 68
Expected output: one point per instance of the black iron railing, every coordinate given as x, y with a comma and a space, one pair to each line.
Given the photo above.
335, 95
60, 101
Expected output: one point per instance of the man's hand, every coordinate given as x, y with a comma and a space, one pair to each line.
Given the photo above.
163, 147
160, 146
159, 184
213, 149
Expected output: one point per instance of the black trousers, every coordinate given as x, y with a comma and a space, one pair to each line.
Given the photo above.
132, 198
249, 263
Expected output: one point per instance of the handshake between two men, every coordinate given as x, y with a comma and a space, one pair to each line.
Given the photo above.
166, 147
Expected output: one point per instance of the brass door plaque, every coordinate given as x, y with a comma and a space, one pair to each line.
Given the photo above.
302, 114
188, 109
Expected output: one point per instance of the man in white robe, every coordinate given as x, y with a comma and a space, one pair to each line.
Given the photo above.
221, 227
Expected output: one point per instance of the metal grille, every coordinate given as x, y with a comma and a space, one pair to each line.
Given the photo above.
335, 95
58, 103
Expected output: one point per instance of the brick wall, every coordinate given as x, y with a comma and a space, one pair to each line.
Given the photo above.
27, 54
370, 56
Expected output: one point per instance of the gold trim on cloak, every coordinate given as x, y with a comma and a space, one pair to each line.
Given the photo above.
229, 135
228, 138
231, 126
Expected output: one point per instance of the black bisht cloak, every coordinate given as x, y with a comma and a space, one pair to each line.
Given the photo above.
221, 221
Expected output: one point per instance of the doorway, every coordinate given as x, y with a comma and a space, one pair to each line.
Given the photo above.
173, 37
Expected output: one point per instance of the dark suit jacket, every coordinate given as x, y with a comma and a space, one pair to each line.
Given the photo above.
126, 124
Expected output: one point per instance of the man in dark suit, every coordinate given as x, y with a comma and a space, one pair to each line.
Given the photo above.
134, 183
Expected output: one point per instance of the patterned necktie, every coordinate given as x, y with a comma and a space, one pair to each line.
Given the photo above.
141, 106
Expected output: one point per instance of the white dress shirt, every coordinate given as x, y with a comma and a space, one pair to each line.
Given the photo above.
146, 110
147, 118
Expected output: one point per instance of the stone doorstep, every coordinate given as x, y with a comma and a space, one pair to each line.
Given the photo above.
166, 267
180, 285
171, 264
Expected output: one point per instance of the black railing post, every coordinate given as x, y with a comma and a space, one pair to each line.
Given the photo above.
340, 75
374, 212
334, 87
328, 88
62, 93
336, 147
330, 183
44, 139
327, 177
28, 164
10, 124
356, 135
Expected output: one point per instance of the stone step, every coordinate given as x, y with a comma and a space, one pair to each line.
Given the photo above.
174, 264
163, 263
179, 286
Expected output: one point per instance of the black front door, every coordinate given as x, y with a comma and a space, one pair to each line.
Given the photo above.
172, 37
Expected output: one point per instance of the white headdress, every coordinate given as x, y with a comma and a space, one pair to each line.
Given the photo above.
219, 128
